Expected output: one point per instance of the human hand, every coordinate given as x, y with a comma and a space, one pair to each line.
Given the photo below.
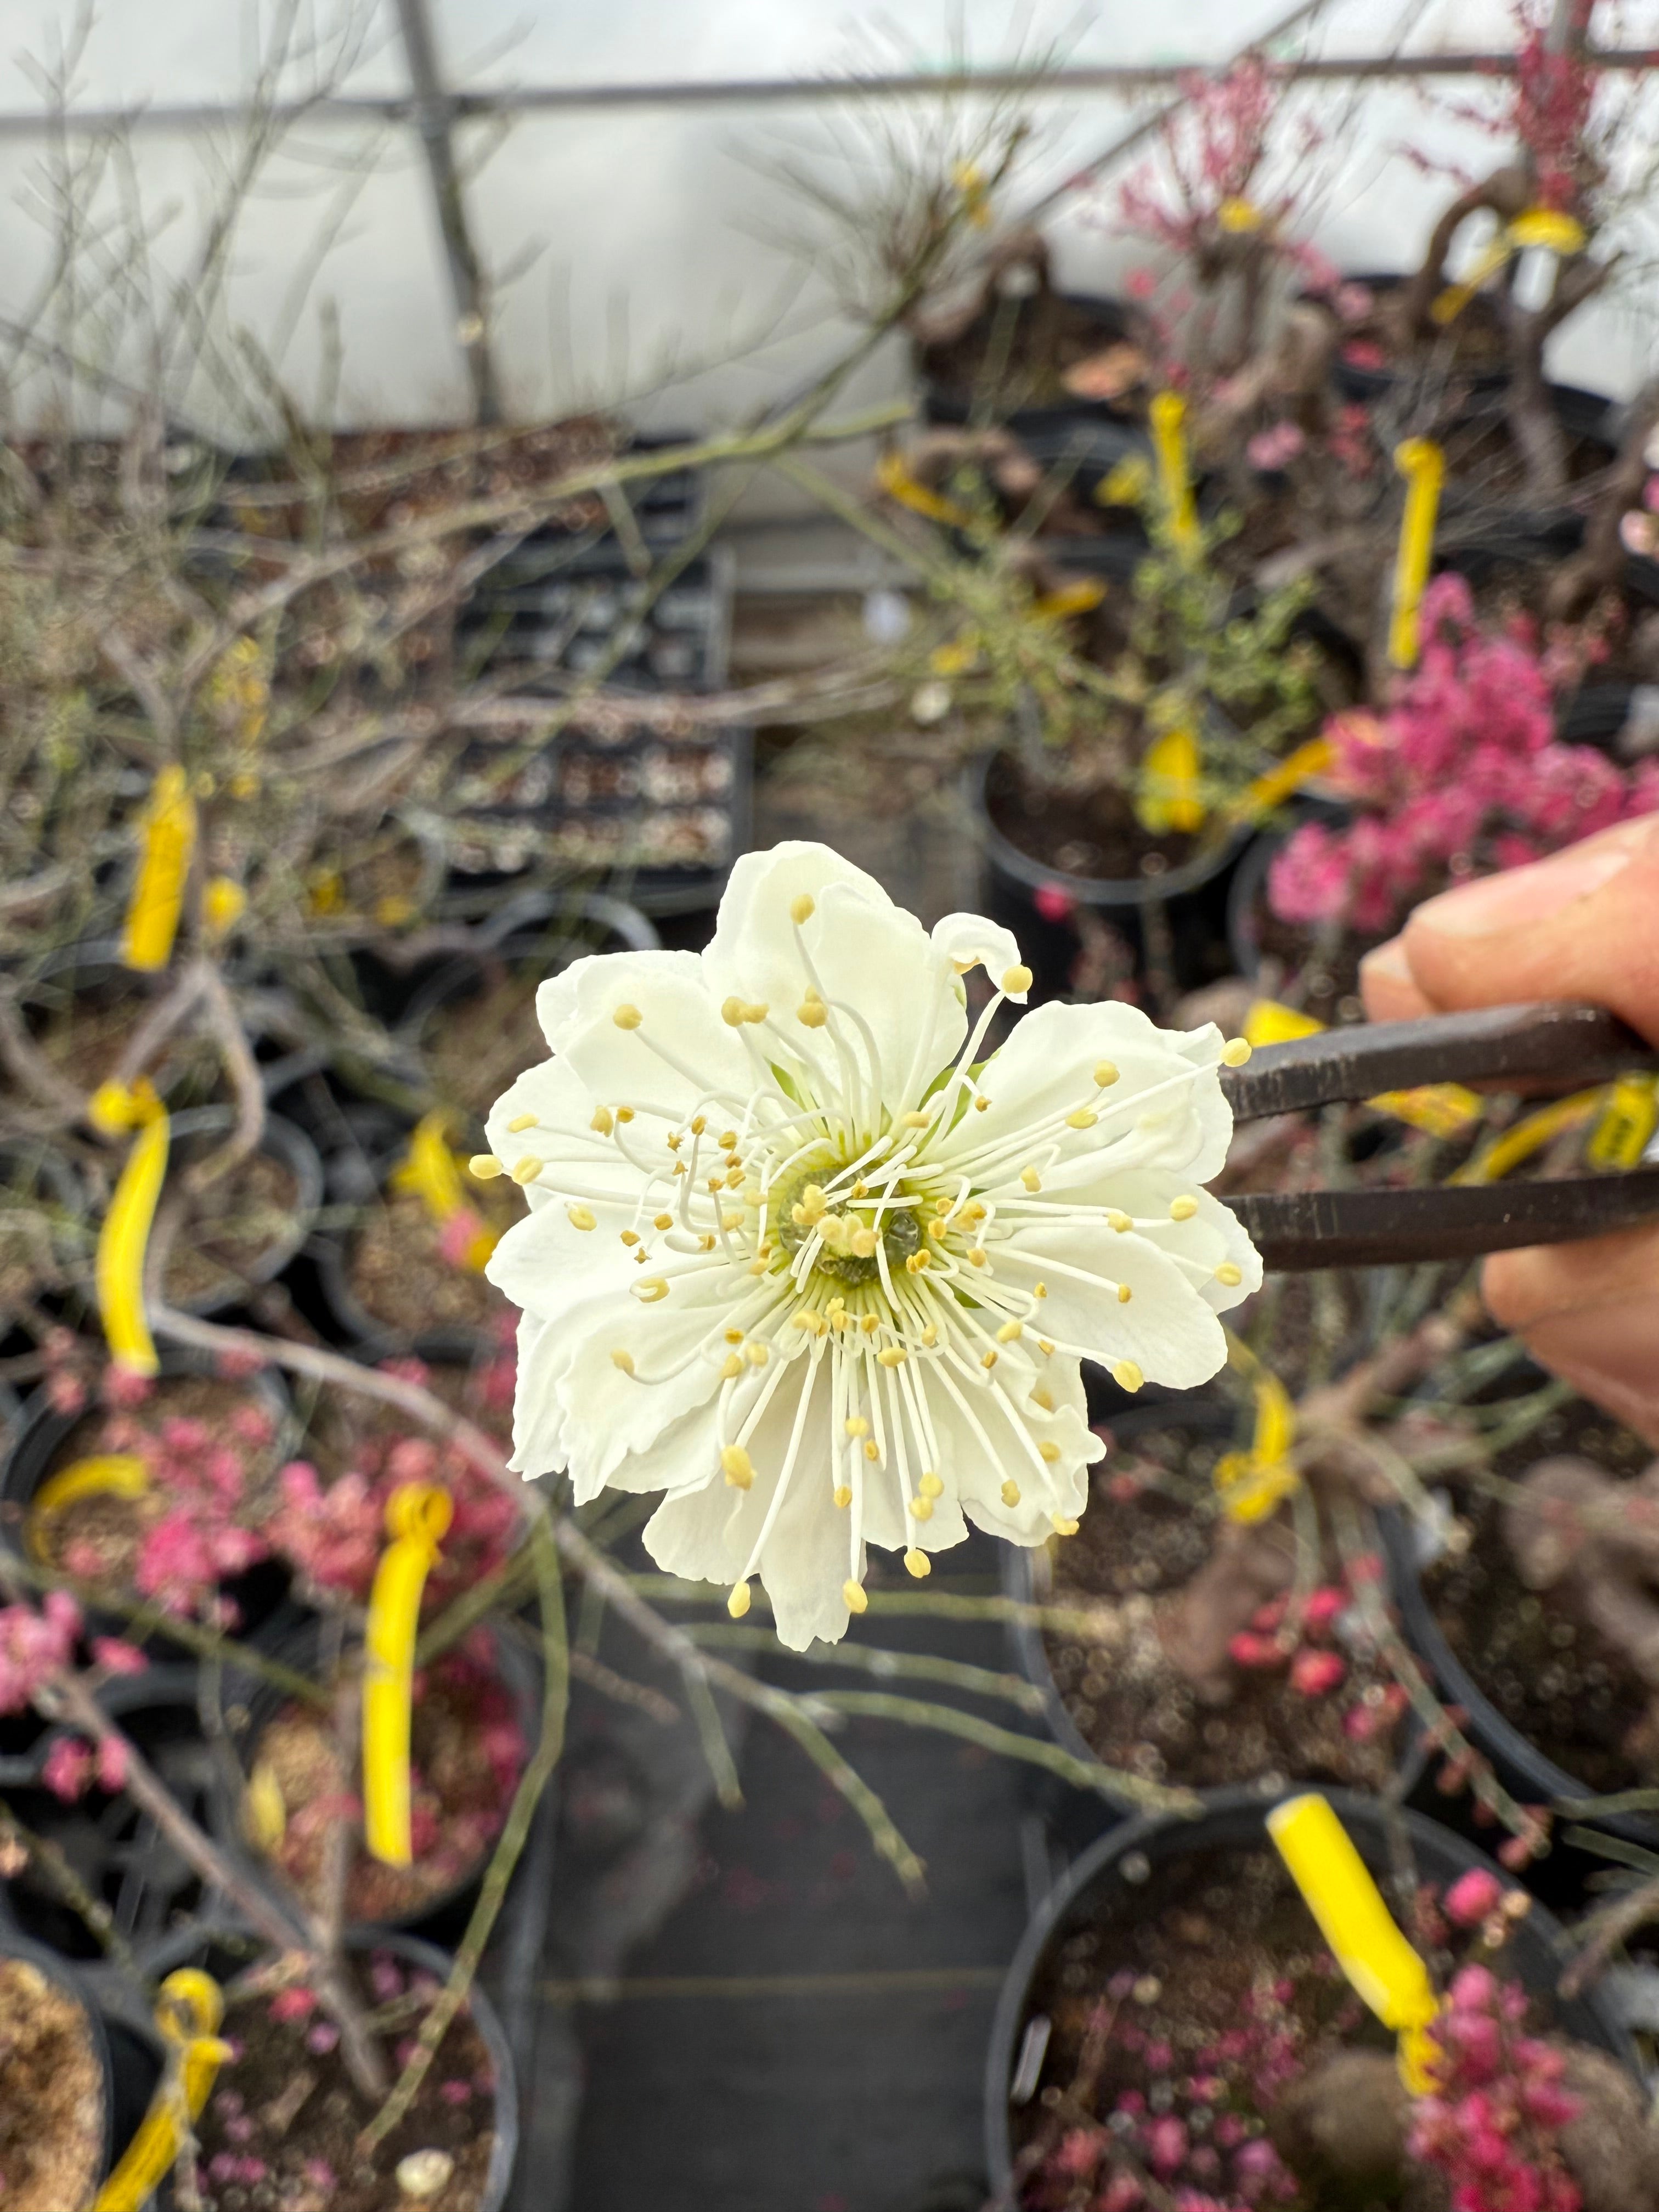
1583, 924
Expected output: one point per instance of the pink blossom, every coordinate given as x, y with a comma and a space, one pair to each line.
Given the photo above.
1272, 448
67, 1768
1497, 2103
34, 1645
1316, 1674
111, 1764
1054, 902
116, 1656
1471, 1898
294, 2004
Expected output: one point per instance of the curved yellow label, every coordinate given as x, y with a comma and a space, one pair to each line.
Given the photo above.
1626, 1125
1169, 797
191, 2005
1168, 415
118, 1272
418, 1517
1272, 789
1249, 1484
1529, 1135
1381, 1966
431, 1171
168, 832
1549, 226
109, 1474
1422, 465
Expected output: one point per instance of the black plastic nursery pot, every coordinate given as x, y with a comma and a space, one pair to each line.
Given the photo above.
40, 1447
237, 1706
1038, 901
1107, 322
201, 1131
223, 1949
1110, 1880
126, 2067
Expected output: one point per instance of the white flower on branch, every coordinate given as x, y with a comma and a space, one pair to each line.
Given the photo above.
798, 1258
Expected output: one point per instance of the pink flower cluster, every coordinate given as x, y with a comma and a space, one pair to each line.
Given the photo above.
1490, 2127
199, 1542
1462, 776
34, 1645
71, 1766
1554, 92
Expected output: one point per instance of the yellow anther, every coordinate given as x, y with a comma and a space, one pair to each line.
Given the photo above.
485, 1166
1127, 1375
527, 1168
1226, 1273
738, 1604
1017, 979
860, 1187
672, 1140
732, 1217
915, 1263
625, 1360
870, 1324
917, 1563
715, 1185
871, 1451
1049, 1451
853, 1594
728, 1140
603, 1121
1085, 1118
931, 1486
1062, 1526
730, 1368
841, 1497
1105, 1073
802, 908
755, 1354
891, 1355
1118, 1221
812, 1013
734, 1012
698, 1126
662, 1221
973, 1210
938, 1230
1045, 1345
734, 1177
862, 1243
1040, 1397
755, 1011
580, 1217
1182, 1209
980, 1102
630, 1235
1010, 1492
1011, 1332
921, 1509
977, 1257
679, 1167
988, 1359
1124, 1294
626, 1017
857, 1425
651, 1291
1039, 1289
1030, 1178
624, 1113
738, 1468
1235, 1052
520, 1122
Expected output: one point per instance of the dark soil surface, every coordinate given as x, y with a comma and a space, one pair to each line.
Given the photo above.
281, 2127
1136, 1546
51, 2095
465, 1753
399, 1273
1090, 832
1563, 1684
474, 1048
1038, 352
227, 1229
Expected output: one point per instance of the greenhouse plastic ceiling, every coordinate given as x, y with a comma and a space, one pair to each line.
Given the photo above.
634, 244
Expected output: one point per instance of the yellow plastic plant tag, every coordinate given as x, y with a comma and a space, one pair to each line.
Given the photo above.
1422, 465
1126, 483
169, 834
1448, 305
1249, 1484
188, 2014
107, 1474
417, 1516
1625, 1128
1441, 1108
1552, 227
896, 481
1381, 1966
1168, 415
1169, 795
431, 1171
1278, 783
1494, 1161
118, 1269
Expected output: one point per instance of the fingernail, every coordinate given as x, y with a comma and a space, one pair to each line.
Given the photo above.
1609, 1352
1521, 896
1387, 964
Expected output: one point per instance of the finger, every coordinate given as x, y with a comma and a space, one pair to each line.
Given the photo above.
1590, 1313
1391, 991
1583, 924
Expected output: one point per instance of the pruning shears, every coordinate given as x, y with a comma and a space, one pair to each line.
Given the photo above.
1549, 1046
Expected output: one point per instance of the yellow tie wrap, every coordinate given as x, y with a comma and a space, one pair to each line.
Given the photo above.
1168, 415
190, 2008
1422, 465
1381, 1966
1529, 1135
418, 1517
1279, 783
169, 833
1625, 1129
429, 1169
124, 1237
109, 1474
1443, 1110
1169, 797
1249, 1484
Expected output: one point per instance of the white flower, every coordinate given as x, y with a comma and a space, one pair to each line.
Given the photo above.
797, 1259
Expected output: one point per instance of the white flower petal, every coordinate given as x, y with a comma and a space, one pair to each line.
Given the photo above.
968, 941
753, 952
1172, 1336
